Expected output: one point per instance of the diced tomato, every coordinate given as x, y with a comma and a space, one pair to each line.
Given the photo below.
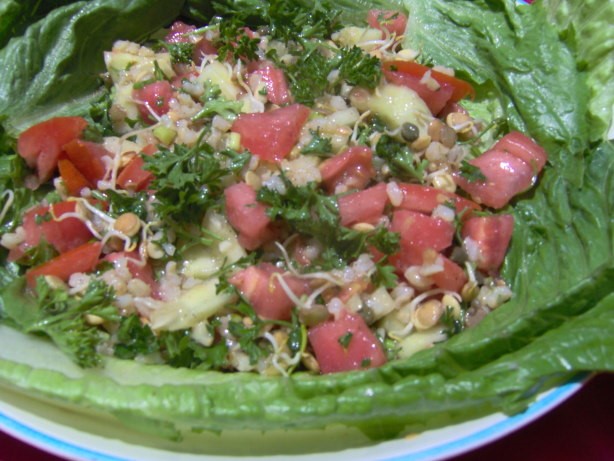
84, 258
351, 169
271, 135
506, 176
265, 293
345, 344
248, 216
274, 81
143, 272
363, 206
524, 148
153, 97
394, 22
179, 33
133, 176
202, 48
460, 88
72, 177
425, 199
492, 234
421, 231
41, 144
452, 277
87, 157
64, 234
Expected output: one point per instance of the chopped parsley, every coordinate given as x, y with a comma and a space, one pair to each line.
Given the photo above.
345, 339
471, 172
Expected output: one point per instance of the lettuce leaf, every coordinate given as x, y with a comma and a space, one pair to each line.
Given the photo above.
560, 265
53, 69
587, 24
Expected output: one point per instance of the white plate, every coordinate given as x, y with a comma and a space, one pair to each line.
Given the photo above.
79, 437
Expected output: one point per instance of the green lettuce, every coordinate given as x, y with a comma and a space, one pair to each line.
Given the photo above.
560, 265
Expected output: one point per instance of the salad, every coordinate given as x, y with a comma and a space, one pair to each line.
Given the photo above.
261, 205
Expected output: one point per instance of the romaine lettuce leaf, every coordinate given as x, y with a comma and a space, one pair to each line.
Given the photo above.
53, 69
560, 265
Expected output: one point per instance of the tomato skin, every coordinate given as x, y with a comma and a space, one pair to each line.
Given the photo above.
436, 100
452, 277
271, 135
523, 147
274, 81
363, 206
178, 31
425, 199
202, 48
87, 157
421, 232
153, 97
264, 292
41, 144
460, 88
506, 176
83, 258
248, 216
492, 234
394, 22
362, 349
72, 177
133, 176
351, 169
63, 235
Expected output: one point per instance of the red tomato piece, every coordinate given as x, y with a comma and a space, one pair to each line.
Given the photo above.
425, 199
41, 144
179, 33
351, 169
436, 100
72, 177
346, 344
274, 81
452, 277
84, 258
264, 291
153, 97
271, 135
394, 22
506, 176
461, 88
248, 216
492, 234
363, 206
524, 148
133, 176
87, 157
64, 234
421, 231
141, 271
202, 48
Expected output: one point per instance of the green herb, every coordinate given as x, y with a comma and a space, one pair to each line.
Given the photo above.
453, 323
234, 41
385, 275
215, 104
62, 317
319, 145
365, 363
180, 350
403, 163
471, 172
120, 202
180, 52
345, 339
358, 68
248, 334
134, 338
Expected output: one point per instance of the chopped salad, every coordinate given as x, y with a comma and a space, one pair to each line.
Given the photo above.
257, 199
